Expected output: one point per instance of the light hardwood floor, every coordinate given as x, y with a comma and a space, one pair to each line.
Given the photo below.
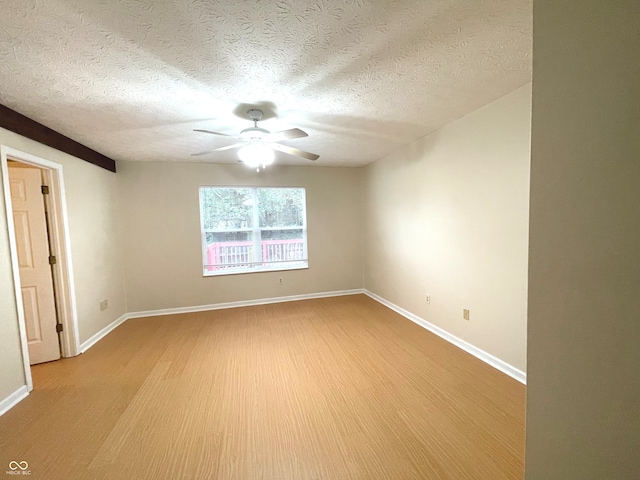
336, 388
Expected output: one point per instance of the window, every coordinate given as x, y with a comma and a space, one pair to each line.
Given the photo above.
249, 229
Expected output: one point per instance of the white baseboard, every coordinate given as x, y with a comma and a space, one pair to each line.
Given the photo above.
242, 303
501, 365
13, 399
86, 345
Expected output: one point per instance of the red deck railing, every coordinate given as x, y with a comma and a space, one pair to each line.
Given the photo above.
240, 254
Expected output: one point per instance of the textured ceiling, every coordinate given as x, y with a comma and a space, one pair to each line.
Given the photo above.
132, 78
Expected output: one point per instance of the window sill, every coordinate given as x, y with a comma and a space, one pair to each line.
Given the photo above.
221, 273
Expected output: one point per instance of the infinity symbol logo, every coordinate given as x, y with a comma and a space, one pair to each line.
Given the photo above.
13, 465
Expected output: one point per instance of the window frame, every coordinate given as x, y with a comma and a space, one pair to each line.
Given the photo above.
256, 230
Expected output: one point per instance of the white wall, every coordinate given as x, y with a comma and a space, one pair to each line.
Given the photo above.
161, 232
583, 395
448, 216
11, 369
95, 249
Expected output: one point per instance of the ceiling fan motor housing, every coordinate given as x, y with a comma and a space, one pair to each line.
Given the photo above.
255, 114
255, 132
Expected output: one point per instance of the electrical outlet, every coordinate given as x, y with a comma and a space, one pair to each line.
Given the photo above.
280, 281
427, 298
104, 305
465, 314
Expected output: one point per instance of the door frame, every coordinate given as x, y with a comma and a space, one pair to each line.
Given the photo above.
64, 286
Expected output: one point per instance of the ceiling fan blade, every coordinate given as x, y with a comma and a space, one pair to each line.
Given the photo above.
212, 133
286, 135
199, 154
294, 151
228, 147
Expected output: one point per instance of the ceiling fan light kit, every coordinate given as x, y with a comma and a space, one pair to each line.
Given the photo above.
258, 145
256, 155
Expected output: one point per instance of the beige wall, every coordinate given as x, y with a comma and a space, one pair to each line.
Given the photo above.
11, 369
95, 249
583, 395
161, 231
448, 216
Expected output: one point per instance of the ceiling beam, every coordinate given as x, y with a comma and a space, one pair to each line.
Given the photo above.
18, 123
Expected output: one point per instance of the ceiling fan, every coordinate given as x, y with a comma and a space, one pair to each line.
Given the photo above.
258, 144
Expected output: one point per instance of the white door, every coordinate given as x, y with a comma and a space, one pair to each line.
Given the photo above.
35, 271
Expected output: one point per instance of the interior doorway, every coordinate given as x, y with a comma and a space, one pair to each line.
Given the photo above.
29, 192
44, 293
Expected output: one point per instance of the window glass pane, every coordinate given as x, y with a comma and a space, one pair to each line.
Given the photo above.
226, 208
281, 207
